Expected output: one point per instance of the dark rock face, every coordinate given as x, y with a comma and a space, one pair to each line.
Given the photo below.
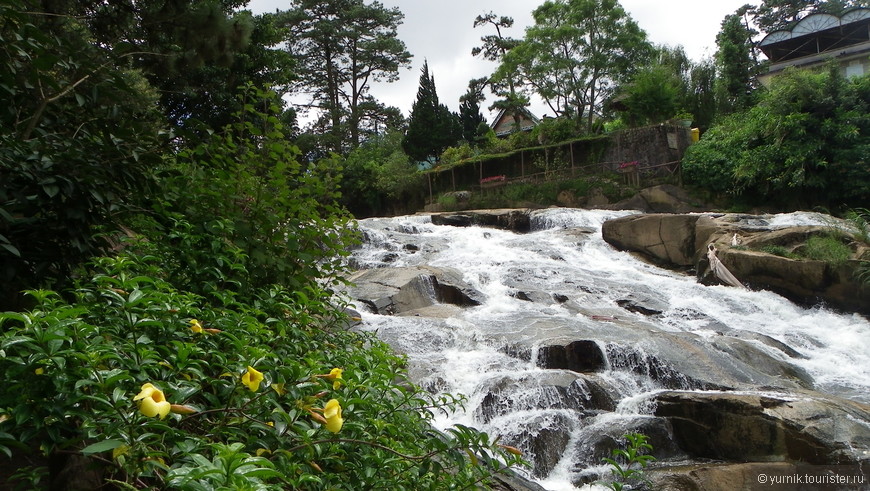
508, 219
741, 427
400, 290
579, 356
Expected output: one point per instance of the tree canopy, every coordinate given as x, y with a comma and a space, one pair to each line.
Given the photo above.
342, 47
431, 126
575, 54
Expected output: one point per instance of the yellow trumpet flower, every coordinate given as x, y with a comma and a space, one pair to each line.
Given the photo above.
332, 414
152, 402
195, 326
335, 376
252, 379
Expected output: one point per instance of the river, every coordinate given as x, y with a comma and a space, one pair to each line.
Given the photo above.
562, 275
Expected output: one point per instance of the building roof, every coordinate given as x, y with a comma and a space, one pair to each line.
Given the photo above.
525, 114
818, 33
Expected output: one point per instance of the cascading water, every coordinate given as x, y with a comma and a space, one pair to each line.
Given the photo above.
562, 280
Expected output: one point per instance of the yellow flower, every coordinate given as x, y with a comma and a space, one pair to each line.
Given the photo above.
252, 379
152, 402
335, 376
332, 413
195, 326
39, 371
120, 451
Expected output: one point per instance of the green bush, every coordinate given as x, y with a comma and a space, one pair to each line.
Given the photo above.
242, 204
206, 354
804, 144
628, 464
453, 155
75, 370
555, 130
78, 137
859, 219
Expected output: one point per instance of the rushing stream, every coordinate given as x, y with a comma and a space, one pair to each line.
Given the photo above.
563, 276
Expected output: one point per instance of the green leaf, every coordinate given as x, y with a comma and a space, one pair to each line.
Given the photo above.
102, 446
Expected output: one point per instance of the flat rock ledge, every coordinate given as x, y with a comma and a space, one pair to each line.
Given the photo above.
516, 220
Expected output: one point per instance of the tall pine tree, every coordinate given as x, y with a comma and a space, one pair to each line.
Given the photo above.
470, 116
432, 127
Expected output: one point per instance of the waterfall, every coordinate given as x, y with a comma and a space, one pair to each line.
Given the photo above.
561, 283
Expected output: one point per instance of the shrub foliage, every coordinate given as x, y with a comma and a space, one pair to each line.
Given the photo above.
805, 143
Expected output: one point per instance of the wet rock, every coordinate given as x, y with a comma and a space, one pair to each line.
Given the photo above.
544, 438
567, 199
554, 390
806, 426
597, 198
600, 439
511, 481
649, 365
397, 290
560, 298
641, 306
802, 280
764, 339
533, 296
516, 220
676, 360
747, 353
665, 198
678, 241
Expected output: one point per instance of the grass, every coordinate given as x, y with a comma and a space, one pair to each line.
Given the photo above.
827, 248
778, 250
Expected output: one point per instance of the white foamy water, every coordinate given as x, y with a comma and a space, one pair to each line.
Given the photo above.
555, 279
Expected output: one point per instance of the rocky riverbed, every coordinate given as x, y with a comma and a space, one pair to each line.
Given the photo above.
562, 343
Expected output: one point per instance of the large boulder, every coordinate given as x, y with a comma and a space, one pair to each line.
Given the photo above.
744, 427
393, 291
665, 238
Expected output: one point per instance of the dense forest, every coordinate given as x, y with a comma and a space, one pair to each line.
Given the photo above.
171, 239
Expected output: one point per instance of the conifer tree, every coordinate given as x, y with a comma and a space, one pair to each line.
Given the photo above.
432, 127
734, 61
470, 116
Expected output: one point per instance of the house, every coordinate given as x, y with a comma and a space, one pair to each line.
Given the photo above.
504, 123
818, 38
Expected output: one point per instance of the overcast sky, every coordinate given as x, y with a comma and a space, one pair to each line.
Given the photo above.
442, 32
